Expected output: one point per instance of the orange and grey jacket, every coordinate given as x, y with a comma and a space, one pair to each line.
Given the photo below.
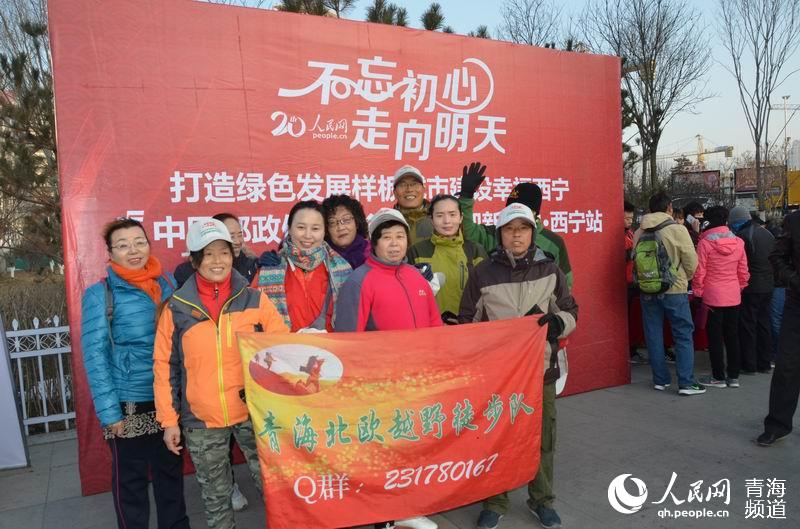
198, 371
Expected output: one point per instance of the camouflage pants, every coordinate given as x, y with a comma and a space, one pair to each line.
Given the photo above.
209, 448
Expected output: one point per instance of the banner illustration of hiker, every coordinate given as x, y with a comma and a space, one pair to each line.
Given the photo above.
356, 428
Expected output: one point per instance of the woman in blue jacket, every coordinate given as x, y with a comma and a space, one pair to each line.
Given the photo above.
118, 324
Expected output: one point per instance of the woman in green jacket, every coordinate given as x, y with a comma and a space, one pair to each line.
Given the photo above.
447, 253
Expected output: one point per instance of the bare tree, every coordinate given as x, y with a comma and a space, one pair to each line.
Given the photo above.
433, 18
760, 36
14, 40
532, 22
339, 7
665, 58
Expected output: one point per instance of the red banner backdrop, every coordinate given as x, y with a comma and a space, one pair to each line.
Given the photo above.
428, 420
172, 110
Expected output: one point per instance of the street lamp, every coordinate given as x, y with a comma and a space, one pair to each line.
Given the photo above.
785, 157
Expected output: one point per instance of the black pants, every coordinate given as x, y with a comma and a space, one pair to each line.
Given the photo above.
755, 332
130, 461
785, 386
723, 328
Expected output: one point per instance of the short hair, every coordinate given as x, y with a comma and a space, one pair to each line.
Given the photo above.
438, 198
121, 223
196, 257
352, 205
692, 208
629, 207
305, 204
660, 202
222, 217
716, 216
377, 232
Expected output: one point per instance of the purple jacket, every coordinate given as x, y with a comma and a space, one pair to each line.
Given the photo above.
721, 268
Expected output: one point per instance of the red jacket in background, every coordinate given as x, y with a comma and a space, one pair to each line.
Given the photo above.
721, 268
382, 297
629, 255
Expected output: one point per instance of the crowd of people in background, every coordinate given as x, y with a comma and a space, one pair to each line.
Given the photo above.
164, 368
731, 275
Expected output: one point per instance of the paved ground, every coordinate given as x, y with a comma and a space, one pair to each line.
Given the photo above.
630, 429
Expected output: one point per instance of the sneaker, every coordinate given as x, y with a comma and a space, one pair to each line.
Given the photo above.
237, 499
418, 522
769, 439
548, 518
733, 382
488, 519
638, 359
712, 382
694, 389
660, 387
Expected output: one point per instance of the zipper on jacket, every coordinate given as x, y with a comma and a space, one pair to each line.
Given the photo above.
220, 378
462, 269
408, 297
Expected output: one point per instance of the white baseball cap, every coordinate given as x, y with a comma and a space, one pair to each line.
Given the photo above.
513, 211
408, 170
385, 215
204, 232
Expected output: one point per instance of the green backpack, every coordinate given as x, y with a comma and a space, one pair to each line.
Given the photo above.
653, 272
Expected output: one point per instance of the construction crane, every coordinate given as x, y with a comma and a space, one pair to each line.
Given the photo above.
700, 154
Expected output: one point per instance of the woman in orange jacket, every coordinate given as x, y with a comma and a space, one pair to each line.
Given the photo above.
199, 381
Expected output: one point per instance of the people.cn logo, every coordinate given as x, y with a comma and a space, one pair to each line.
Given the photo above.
621, 500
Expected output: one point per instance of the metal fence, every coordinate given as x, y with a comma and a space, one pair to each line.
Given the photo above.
41, 363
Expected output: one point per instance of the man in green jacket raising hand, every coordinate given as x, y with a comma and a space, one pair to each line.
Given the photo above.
488, 236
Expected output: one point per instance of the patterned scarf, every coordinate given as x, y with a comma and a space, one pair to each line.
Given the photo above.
272, 279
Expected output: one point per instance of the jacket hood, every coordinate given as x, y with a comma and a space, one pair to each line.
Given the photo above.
651, 220
722, 240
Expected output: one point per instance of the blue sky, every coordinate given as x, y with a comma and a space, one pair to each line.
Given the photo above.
720, 120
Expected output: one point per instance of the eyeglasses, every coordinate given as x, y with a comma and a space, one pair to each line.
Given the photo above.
410, 185
124, 247
344, 221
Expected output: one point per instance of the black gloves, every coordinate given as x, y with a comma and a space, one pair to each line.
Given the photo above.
449, 318
426, 270
554, 326
269, 258
472, 178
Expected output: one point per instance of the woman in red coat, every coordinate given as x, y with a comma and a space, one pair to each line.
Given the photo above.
385, 294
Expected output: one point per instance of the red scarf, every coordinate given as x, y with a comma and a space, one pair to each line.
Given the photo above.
143, 278
213, 295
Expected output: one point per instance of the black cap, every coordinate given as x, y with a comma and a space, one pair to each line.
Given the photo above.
528, 194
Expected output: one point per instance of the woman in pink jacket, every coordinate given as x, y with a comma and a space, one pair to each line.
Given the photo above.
720, 277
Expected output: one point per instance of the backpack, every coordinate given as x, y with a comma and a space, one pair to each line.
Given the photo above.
653, 272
